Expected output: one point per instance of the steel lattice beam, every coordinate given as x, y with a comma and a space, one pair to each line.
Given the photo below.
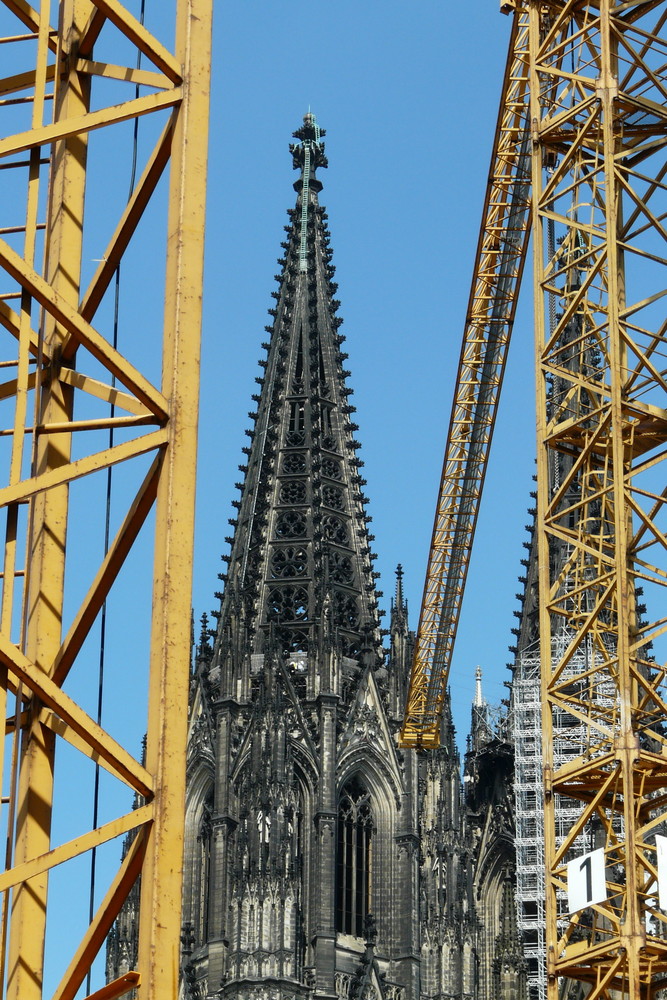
599, 139
499, 261
55, 355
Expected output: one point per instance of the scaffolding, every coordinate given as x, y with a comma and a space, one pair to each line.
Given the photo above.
530, 890
570, 741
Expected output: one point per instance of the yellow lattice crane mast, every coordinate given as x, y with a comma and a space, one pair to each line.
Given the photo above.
62, 375
597, 123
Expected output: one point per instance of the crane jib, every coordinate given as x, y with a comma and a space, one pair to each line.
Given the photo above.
500, 257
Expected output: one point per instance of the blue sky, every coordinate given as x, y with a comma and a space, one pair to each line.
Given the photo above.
408, 94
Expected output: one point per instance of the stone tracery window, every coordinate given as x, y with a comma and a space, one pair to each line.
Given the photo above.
327, 424
296, 434
334, 529
294, 439
332, 497
346, 610
294, 640
354, 866
288, 562
297, 415
294, 463
202, 861
287, 604
332, 468
291, 524
293, 491
340, 568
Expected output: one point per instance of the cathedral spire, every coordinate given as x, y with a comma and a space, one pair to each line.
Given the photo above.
300, 554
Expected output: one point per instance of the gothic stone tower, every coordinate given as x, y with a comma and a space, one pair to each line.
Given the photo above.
301, 863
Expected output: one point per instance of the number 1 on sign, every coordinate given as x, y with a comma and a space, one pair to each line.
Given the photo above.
585, 881
587, 865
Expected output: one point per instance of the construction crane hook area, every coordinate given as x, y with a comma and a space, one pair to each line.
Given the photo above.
591, 80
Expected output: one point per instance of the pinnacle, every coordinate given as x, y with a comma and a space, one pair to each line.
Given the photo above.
308, 154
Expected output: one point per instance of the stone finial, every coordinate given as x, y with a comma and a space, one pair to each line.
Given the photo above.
479, 698
310, 137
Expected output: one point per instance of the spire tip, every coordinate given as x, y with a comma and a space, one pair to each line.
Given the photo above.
479, 699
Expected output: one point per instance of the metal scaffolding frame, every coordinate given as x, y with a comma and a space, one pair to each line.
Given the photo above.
526, 729
570, 742
598, 146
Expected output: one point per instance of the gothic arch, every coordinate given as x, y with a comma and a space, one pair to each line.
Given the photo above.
364, 759
197, 851
306, 766
496, 864
201, 738
354, 868
354, 863
365, 769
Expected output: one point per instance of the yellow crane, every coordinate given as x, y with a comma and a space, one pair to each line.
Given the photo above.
61, 374
585, 87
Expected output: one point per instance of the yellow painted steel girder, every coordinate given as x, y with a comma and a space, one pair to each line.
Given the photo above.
57, 356
598, 145
599, 151
501, 252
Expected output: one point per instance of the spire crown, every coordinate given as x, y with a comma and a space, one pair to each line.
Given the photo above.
399, 606
399, 586
309, 151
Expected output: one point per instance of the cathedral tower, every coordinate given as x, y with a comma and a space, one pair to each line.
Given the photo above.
301, 863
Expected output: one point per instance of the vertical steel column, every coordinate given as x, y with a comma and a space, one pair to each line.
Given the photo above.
46, 558
158, 422
599, 133
161, 884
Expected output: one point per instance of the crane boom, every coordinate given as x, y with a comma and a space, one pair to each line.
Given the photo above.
499, 261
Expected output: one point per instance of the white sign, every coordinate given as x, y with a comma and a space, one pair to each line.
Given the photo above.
585, 881
661, 850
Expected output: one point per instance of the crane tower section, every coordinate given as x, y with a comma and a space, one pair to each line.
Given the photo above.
598, 116
74, 404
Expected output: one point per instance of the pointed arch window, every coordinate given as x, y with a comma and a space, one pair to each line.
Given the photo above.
203, 870
299, 367
297, 417
354, 868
